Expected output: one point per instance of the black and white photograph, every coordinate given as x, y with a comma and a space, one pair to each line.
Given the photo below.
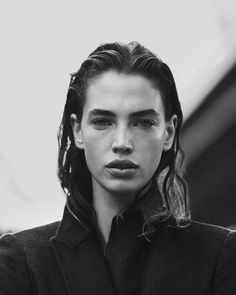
118, 147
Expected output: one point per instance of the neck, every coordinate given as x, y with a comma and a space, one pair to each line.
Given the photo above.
107, 205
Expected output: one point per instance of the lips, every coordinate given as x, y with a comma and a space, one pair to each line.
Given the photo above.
124, 169
122, 164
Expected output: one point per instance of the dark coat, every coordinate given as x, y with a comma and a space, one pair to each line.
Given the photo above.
64, 258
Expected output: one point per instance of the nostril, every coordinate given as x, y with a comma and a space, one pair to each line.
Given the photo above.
122, 142
122, 149
115, 150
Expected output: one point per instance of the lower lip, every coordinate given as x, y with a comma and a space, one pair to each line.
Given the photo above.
122, 173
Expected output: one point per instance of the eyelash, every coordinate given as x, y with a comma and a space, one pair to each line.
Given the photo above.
146, 121
104, 123
100, 123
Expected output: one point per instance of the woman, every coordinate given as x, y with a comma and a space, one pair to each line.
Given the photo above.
126, 227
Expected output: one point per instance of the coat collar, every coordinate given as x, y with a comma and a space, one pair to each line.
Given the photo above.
149, 201
70, 230
79, 257
78, 253
74, 229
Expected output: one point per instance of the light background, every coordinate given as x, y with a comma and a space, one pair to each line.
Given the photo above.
42, 42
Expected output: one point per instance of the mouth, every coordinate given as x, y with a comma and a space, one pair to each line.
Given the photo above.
122, 168
122, 164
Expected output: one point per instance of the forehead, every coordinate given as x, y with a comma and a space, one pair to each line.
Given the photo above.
124, 93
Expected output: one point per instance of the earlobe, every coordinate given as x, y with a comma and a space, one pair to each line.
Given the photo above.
170, 133
77, 133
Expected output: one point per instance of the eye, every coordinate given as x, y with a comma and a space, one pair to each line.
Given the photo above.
101, 123
144, 123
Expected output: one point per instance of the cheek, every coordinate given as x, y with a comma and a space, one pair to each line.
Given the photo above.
93, 149
91, 153
151, 151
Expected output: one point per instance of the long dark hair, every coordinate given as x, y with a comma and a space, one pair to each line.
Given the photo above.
73, 172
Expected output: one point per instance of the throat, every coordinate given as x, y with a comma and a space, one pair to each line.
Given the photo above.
105, 214
107, 207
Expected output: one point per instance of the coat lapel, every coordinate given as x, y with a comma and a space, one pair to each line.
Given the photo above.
80, 259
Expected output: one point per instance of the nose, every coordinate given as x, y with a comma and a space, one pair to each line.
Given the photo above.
122, 141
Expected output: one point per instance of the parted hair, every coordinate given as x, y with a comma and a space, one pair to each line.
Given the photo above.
131, 58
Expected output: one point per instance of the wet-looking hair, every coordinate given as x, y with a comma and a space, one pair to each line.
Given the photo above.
73, 172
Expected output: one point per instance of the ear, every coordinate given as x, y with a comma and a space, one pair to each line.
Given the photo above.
170, 133
76, 128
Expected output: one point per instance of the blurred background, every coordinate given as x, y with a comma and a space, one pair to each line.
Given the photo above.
42, 42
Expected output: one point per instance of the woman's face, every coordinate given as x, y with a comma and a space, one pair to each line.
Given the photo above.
123, 132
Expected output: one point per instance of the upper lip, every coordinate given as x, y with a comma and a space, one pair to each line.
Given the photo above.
122, 164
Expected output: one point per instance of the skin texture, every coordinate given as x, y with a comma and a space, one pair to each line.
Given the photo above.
121, 135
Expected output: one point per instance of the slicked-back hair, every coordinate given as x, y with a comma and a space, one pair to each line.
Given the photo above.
131, 58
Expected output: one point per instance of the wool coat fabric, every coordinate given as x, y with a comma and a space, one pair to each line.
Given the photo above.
66, 259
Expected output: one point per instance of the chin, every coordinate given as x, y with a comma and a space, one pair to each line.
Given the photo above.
123, 187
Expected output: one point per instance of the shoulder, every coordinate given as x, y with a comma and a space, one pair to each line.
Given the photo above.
16, 251
30, 237
195, 231
211, 236
212, 247
199, 230
16, 244
207, 252
204, 235
197, 240
205, 230
38, 234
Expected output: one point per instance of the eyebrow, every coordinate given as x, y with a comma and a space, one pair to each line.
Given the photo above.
142, 113
147, 112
